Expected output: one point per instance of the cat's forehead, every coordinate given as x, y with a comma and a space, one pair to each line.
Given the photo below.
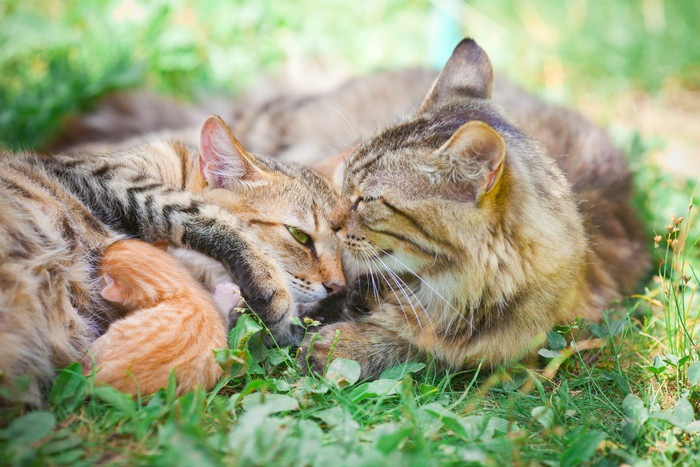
304, 193
392, 156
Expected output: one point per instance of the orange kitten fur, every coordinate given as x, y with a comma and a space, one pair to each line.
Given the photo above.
138, 352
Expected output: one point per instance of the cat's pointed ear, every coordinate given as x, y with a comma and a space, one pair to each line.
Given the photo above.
467, 72
111, 291
222, 159
472, 159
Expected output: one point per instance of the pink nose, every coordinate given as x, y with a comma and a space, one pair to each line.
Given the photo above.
333, 287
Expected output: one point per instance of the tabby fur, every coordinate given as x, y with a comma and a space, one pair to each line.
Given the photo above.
60, 213
469, 239
563, 197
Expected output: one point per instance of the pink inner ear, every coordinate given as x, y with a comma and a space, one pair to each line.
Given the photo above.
112, 292
221, 157
207, 160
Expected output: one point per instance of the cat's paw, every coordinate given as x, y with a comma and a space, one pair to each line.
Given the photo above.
277, 311
313, 355
326, 311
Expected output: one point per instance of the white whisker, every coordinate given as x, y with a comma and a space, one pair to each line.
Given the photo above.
397, 297
427, 284
458, 313
371, 275
403, 286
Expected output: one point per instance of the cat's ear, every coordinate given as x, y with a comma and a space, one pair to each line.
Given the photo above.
333, 168
467, 72
111, 291
161, 245
472, 160
222, 159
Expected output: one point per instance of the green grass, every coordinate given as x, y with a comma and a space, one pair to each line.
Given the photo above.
631, 399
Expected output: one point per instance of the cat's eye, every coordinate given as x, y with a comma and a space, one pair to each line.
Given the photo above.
299, 236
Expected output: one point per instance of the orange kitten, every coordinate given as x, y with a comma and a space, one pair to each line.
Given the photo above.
171, 323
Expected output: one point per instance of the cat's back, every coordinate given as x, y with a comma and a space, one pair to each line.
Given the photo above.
48, 241
582, 149
600, 179
46, 233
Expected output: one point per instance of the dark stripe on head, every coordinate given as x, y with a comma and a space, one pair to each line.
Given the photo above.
403, 239
361, 165
416, 225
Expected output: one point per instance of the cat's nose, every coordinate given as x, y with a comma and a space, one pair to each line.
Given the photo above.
333, 287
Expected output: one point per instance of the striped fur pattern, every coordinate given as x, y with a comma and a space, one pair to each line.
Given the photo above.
469, 240
171, 323
60, 213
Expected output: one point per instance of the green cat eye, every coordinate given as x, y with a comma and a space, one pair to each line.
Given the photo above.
299, 236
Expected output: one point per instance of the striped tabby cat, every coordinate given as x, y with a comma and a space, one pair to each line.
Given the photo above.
471, 241
264, 221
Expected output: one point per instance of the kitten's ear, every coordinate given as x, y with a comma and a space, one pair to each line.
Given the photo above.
222, 159
475, 154
161, 245
112, 292
467, 72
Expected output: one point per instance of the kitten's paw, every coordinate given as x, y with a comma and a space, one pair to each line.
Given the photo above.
227, 297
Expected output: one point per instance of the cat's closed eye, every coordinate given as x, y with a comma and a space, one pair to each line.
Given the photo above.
364, 199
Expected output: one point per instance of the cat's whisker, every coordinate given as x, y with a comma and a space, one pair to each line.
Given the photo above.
408, 299
403, 286
379, 270
347, 117
371, 275
426, 283
448, 328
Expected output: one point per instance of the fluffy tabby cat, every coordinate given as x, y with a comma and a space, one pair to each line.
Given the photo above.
172, 323
264, 221
470, 240
512, 227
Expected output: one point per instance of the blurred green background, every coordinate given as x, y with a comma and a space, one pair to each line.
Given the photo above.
57, 57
